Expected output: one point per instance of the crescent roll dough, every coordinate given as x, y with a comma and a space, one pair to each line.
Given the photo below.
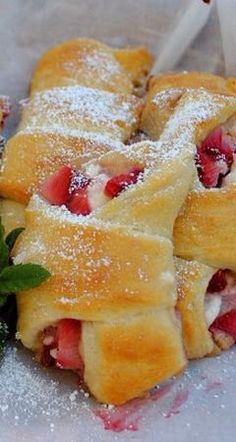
165, 90
199, 309
200, 232
62, 125
192, 281
80, 107
113, 271
93, 64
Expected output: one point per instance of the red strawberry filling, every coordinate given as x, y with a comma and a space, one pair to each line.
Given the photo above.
118, 183
214, 158
79, 202
61, 345
56, 188
82, 192
227, 323
220, 305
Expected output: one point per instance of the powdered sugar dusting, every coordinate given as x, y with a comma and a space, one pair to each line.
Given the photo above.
50, 401
78, 107
100, 65
193, 108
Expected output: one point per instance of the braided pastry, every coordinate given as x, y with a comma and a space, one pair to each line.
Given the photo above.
207, 295
80, 107
165, 90
120, 292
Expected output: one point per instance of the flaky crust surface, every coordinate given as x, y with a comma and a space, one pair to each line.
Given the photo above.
206, 226
165, 90
199, 231
142, 347
100, 256
89, 62
192, 282
64, 126
81, 101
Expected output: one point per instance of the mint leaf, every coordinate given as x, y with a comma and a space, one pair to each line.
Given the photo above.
4, 251
12, 237
3, 334
21, 277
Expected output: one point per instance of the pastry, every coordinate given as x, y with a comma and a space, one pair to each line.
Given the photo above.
165, 90
123, 328
200, 232
139, 218
207, 303
81, 105
93, 64
200, 221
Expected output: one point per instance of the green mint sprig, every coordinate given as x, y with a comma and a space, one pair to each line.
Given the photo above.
14, 278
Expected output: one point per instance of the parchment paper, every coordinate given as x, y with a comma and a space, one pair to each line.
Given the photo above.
40, 405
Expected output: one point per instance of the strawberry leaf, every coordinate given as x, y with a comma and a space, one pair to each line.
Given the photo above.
22, 277
12, 237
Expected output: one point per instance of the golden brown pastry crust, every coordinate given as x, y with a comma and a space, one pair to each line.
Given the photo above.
141, 346
165, 90
137, 61
199, 231
206, 226
61, 126
73, 122
100, 256
193, 279
12, 214
192, 282
20, 177
128, 229
89, 62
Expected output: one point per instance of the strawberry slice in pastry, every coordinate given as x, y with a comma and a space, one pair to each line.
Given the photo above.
118, 183
55, 189
218, 282
226, 323
82, 192
68, 338
214, 158
79, 202
220, 307
61, 345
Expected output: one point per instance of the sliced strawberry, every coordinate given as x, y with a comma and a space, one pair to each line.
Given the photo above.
217, 283
79, 181
68, 338
56, 188
209, 169
226, 323
117, 183
214, 158
213, 140
79, 203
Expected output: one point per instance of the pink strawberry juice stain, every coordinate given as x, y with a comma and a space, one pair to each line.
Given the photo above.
180, 398
128, 416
